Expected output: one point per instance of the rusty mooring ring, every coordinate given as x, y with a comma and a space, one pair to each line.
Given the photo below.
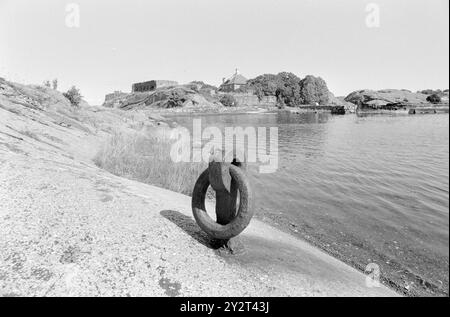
243, 215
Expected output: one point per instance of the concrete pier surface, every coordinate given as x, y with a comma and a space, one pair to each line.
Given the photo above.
70, 229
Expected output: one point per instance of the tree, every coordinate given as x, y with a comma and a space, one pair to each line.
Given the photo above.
47, 83
74, 96
314, 90
264, 85
434, 98
288, 91
285, 86
228, 101
55, 84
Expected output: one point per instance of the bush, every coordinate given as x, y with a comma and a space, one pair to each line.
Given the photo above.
314, 90
228, 101
434, 98
74, 96
176, 99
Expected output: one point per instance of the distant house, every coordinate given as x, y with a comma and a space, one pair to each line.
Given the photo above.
233, 83
152, 85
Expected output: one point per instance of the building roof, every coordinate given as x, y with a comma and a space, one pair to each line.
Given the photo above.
236, 79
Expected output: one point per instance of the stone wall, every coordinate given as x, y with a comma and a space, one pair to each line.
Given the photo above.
269, 100
231, 87
244, 99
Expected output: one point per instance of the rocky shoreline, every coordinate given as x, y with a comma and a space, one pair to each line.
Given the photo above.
72, 229
390, 277
192, 99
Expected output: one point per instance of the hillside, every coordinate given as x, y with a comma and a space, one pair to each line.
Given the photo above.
68, 228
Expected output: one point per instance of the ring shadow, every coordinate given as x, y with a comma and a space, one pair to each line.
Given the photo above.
188, 225
258, 249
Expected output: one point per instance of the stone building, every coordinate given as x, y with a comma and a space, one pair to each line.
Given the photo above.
152, 85
115, 95
233, 83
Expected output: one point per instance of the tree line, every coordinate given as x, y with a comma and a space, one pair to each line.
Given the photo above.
289, 89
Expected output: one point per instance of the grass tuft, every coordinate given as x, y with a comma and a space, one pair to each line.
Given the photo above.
147, 159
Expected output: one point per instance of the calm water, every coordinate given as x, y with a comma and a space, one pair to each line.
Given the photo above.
366, 189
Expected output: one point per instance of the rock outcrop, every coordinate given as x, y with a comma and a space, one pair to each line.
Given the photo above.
45, 117
163, 98
380, 98
340, 102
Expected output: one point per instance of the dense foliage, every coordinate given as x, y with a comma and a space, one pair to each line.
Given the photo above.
264, 85
434, 98
314, 90
289, 89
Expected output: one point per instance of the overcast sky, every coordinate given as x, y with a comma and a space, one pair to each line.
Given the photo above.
121, 42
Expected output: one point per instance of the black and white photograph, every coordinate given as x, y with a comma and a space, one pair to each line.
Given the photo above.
224, 155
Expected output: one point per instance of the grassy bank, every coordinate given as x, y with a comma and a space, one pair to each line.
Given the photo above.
147, 159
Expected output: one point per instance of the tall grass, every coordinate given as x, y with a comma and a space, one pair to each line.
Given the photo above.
147, 159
